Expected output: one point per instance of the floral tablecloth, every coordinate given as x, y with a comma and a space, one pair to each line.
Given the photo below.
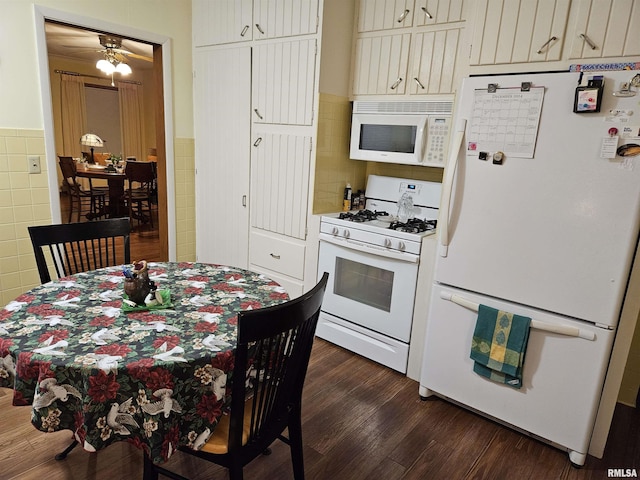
157, 378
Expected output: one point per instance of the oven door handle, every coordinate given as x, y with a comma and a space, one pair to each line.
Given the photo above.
447, 187
368, 248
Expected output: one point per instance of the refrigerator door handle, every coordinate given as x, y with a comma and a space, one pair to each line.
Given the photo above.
447, 187
537, 324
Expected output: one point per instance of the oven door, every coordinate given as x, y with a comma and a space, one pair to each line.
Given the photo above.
369, 290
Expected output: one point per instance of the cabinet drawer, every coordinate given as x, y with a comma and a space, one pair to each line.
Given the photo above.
279, 255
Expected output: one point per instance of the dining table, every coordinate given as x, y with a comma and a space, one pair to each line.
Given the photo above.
115, 181
157, 375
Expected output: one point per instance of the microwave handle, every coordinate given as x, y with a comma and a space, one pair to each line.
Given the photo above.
421, 139
447, 187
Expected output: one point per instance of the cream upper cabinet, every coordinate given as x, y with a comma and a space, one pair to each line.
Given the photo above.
284, 18
381, 64
437, 12
374, 15
221, 21
604, 28
283, 82
518, 31
435, 61
226, 21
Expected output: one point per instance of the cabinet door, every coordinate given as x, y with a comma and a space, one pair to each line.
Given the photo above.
515, 31
280, 183
283, 82
381, 65
221, 21
284, 18
222, 140
437, 12
374, 15
435, 57
605, 28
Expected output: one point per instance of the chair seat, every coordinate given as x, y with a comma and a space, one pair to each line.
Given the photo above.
218, 443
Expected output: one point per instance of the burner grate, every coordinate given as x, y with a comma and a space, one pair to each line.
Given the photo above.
414, 225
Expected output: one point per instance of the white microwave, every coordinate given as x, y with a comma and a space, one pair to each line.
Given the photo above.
412, 133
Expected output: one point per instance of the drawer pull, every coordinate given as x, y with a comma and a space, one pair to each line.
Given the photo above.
546, 44
396, 83
403, 16
273, 255
588, 41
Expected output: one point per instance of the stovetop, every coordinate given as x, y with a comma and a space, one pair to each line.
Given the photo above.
411, 225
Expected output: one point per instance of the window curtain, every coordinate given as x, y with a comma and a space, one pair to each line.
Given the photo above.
131, 120
74, 114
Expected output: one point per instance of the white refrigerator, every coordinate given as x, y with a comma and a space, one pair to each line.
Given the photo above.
539, 217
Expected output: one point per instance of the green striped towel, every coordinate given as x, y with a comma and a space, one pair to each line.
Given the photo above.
499, 345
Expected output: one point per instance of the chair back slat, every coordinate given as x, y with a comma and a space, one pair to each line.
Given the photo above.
274, 344
79, 247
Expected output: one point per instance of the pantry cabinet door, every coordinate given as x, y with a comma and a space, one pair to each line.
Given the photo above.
280, 166
222, 154
605, 28
284, 18
380, 66
283, 82
376, 15
437, 12
221, 21
434, 61
518, 31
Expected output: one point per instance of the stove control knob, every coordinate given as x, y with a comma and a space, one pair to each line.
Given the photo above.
387, 242
335, 231
346, 233
401, 246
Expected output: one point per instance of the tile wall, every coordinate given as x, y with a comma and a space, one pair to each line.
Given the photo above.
185, 176
24, 201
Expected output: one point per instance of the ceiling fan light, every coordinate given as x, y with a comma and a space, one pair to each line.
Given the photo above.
106, 66
123, 69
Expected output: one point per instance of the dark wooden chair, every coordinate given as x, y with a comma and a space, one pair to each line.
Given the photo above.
276, 343
93, 200
80, 247
139, 195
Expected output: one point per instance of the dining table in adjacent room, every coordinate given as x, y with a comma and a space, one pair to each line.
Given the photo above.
115, 181
158, 376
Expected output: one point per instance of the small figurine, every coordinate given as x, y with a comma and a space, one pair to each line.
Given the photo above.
136, 283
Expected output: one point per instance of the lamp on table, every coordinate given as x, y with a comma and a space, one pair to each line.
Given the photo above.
91, 140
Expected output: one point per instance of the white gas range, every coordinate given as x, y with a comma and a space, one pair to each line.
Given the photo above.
373, 259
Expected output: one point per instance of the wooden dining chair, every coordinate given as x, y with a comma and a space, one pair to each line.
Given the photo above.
80, 247
93, 200
274, 346
140, 194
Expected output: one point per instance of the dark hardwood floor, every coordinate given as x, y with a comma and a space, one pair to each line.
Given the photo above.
360, 421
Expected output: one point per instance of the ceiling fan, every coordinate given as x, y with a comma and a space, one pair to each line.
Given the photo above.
113, 48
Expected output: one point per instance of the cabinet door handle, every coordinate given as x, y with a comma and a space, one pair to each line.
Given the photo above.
244, 30
546, 44
396, 83
415, 79
273, 255
403, 16
258, 114
426, 12
588, 41
257, 142
259, 28
244, 200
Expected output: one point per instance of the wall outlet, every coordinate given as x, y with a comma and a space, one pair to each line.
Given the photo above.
34, 164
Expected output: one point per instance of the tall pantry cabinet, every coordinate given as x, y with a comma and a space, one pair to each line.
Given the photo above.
256, 87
